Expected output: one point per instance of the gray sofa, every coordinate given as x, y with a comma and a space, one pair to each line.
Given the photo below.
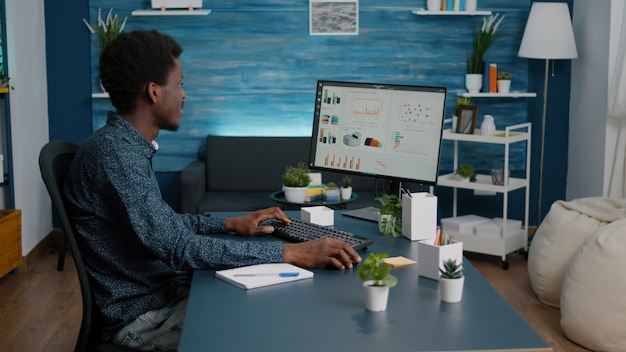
240, 173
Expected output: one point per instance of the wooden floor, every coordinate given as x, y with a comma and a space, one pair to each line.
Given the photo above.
40, 307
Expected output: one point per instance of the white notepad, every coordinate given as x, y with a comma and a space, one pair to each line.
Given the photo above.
260, 275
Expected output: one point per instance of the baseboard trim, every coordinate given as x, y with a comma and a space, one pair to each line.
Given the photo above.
47, 245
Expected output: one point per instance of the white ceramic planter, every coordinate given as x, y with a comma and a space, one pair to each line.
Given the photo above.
451, 290
504, 85
473, 82
176, 4
375, 296
470, 5
385, 216
295, 194
433, 5
346, 193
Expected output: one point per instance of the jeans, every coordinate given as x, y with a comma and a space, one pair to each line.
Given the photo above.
156, 330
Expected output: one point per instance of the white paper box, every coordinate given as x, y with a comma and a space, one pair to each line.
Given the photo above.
493, 228
176, 4
320, 215
419, 216
462, 224
430, 257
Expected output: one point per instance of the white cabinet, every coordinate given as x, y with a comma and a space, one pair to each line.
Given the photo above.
507, 241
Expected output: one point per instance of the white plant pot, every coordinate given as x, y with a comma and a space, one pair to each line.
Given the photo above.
433, 5
375, 296
389, 217
451, 290
295, 194
504, 85
470, 5
176, 4
332, 195
346, 193
473, 82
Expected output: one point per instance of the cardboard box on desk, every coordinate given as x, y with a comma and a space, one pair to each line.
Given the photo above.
419, 216
430, 257
320, 215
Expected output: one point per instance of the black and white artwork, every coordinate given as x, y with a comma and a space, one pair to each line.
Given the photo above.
339, 17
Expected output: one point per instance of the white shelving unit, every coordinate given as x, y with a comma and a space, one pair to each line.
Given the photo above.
507, 242
102, 95
424, 12
158, 12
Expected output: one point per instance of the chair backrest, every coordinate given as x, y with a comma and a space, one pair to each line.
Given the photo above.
54, 162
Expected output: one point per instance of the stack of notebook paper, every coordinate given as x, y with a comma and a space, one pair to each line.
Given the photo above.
260, 275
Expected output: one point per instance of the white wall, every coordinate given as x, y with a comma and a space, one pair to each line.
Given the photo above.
25, 40
588, 104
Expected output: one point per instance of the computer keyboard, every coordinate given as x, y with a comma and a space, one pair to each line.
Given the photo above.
301, 231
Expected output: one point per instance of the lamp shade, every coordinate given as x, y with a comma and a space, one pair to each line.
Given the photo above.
549, 33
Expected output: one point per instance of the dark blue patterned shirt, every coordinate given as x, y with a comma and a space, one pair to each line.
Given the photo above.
138, 250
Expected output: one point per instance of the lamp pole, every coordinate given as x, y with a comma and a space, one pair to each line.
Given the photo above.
543, 141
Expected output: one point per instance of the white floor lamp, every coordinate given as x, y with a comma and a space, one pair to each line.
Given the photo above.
548, 35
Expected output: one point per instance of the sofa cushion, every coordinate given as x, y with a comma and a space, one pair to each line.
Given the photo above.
593, 309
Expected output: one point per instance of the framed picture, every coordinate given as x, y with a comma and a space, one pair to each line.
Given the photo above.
338, 17
466, 119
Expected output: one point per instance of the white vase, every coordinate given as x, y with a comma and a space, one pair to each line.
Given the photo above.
451, 290
346, 193
504, 85
295, 194
376, 297
433, 5
473, 82
488, 127
470, 5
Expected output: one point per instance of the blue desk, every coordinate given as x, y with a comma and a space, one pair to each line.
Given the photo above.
327, 313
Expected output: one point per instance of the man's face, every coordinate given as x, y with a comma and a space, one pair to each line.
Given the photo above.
172, 100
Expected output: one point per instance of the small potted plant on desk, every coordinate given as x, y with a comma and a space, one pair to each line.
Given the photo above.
390, 214
504, 81
377, 280
331, 193
465, 172
346, 187
296, 180
451, 281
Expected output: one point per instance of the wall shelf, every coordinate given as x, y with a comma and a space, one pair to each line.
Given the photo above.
499, 95
158, 12
102, 95
424, 12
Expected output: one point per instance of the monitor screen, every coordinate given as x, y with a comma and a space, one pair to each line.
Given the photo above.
383, 130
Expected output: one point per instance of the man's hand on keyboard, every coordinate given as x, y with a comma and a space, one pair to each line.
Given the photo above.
321, 253
248, 224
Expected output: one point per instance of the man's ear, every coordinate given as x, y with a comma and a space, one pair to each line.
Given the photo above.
153, 92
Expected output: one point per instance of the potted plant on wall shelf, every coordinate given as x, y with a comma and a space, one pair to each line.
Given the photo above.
504, 81
377, 280
346, 187
484, 37
296, 180
107, 30
451, 281
389, 214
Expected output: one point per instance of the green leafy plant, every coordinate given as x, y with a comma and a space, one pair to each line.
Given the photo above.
374, 268
107, 29
331, 185
346, 182
465, 170
389, 204
504, 75
451, 269
461, 101
484, 37
296, 176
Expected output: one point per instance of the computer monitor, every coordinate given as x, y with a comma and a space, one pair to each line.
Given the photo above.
388, 131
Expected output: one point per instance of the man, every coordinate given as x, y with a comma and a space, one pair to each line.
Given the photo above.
140, 253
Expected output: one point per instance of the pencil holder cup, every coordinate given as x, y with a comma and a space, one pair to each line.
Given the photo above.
431, 257
419, 216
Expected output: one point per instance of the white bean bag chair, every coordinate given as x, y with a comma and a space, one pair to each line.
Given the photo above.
593, 304
564, 229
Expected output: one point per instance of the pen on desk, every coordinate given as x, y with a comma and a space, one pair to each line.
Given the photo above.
285, 274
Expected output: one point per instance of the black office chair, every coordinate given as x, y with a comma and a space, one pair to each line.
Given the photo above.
54, 161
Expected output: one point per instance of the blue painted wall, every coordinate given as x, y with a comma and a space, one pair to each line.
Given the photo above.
250, 69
